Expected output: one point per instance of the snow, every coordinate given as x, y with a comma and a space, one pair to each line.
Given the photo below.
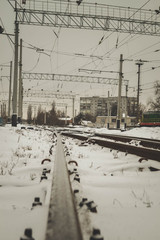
21, 153
144, 132
125, 191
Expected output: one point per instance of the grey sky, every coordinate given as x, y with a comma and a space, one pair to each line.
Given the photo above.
71, 42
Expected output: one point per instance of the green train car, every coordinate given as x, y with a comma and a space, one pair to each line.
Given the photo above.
151, 119
1, 121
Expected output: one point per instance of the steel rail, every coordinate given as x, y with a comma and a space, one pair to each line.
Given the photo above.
145, 142
147, 153
63, 222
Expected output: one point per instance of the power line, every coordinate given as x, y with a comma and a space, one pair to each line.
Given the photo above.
136, 54
35, 64
129, 17
8, 37
103, 38
144, 89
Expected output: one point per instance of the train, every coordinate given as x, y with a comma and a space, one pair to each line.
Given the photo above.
1, 121
150, 119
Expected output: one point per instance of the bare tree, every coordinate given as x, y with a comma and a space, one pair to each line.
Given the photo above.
40, 116
29, 114
154, 104
52, 118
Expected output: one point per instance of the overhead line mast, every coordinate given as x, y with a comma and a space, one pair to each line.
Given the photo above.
15, 80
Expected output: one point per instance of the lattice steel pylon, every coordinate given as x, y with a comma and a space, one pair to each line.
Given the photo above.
38, 103
69, 14
48, 94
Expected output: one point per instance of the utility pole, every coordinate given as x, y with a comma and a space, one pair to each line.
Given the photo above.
108, 111
66, 115
140, 63
4, 110
126, 112
20, 86
34, 118
14, 115
45, 117
119, 93
73, 111
9, 99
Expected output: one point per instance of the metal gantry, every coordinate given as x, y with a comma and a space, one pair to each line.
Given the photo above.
72, 78
39, 103
69, 14
48, 94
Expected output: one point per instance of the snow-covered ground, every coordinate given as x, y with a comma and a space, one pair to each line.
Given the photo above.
21, 154
125, 191
143, 132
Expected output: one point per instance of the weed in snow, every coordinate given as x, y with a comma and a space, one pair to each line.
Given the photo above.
33, 176
7, 168
117, 201
115, 154
143, 199
80, 155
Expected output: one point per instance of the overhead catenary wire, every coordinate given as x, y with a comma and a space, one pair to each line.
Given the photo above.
102, 62
57, 38
8, 37
150, 69
94, 60
76, 55
132, 15
35, 64
126, 41
136, 55
152, 45
114, 48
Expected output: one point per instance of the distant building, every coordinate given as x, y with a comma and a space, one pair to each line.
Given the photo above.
99, 106
102, 121
86, 123
65, 121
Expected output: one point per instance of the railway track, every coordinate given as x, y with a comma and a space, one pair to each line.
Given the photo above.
117, 142
63, 216
63, 220
145, 142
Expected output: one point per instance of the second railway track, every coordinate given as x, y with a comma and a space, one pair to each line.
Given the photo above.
124, 146
145, 142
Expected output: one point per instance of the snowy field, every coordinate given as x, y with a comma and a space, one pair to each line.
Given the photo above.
144, 132
125, 191
21, 154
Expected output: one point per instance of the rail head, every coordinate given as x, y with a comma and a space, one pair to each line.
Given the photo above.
63, 222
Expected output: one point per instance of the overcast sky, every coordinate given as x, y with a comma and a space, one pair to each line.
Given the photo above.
62, 54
